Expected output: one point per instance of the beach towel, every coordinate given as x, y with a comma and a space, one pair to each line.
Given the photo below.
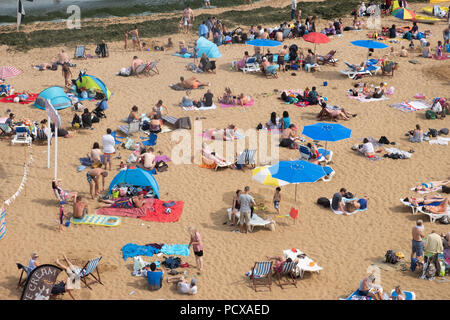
203, 107
159, 213
175, 250
223, 105
162, 158
440, 140
207, 135
411, 106
183, 55
97, 220
88, 162
348, 213
302, 104
362, 98
10, 99
128, 212
177, 87
131, 250
405, 154
443, 57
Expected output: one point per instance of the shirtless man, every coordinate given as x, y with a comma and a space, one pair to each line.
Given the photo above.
80, 208
63, 57
136, 63
92, 177
279, 35
149, 159
417, 244
138, 201
265, 35
135, 38
192, 83
288, 137
188, 18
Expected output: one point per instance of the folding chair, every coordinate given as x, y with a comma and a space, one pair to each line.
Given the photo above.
88, 270
80, 52
151, 67
130, 128
287, 269
251, 65
328, 58
262, 274
247, 157
25, 270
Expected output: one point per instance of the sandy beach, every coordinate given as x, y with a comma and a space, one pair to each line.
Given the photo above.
345, 246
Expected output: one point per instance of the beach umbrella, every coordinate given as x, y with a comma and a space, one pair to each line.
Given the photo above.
322, 131
316, 37
370, 44
295, 172
263, 175
263, 43
404, 14
8, 72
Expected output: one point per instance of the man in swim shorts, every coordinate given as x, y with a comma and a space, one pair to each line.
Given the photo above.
417, 244
92, 176
80, 208
188, 18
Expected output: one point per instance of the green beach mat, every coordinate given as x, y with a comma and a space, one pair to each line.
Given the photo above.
97, 220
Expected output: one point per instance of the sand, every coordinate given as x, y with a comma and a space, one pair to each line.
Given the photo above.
345, 246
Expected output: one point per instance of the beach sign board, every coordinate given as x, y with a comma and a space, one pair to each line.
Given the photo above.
40, 282
52, 113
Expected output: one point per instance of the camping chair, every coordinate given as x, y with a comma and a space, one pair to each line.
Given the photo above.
435, 216
80, 52
247, 157
151, 67
21, 135
388, 68
288, 269
89, 269
25, 270
262, 274
328, 58
130, 128
251, 65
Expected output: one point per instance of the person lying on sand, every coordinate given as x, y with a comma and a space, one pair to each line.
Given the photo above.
360, 204
226, 134
431, 185
333, 112
183, 285
442, 208
423, 201
244, 100
192, 83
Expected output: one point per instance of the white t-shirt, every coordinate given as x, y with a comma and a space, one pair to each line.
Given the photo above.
184, 287
108, 143
367, 148
294, 4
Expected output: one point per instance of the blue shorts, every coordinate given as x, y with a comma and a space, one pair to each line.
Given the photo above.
276, 204
363, 203
363, 293
417, 248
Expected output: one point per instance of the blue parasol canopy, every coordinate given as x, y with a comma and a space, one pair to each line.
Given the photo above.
263, 43
370, 44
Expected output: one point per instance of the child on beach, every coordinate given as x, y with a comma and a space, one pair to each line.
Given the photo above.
62, 215
277, 199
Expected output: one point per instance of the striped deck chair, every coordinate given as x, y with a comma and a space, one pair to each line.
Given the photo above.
247, 157
262, 274
88, 269
151, 67
288, 269
80, 52
25, 270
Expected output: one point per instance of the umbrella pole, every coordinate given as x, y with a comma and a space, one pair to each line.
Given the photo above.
295, 200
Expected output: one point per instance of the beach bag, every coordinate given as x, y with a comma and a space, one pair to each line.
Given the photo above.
172, 262
383, 140
413, 265
76, 121
259, 126
430, 115
443, 131
161, 166
433, 132
348, 195
444, 220
129, 144
391, 257
324, 202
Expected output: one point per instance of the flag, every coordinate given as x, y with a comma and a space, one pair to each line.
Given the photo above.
2, 221
20, 13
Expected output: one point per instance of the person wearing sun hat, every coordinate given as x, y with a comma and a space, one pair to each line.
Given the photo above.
33, 263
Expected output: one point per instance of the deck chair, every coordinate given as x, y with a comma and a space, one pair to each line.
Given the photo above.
207, 160
328, 58
24, 270
353, 71
247, 157
179, 123
88, 270
151, 67
80, 52
21, 135
251, 65
413, 207
287, 269
140, 69
329, 173
306, 154
262, 274
389, 68
130, 128
435, 216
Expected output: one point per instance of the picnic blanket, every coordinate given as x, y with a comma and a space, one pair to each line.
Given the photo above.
348, 213
411, 106
158, 212
440, 140
362, 98
10, 99
88, 162
203, 107
131, 250
177, 87
223, 105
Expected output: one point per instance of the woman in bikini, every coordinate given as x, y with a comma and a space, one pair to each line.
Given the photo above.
244, 100
427, 200
135, 38
227, 97
236, 207
60, 193
442, 208
431, 185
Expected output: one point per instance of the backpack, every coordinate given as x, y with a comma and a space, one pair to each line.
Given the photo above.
413, 264
443, 131
76, 119
161, 166
259, 126
444, 220
172, 262
348, 195
430, 273
430, 115
78, 106
324, 202
384, 140
391, 257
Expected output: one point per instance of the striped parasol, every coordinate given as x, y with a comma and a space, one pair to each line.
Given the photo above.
8, 72
404, 14
262, 175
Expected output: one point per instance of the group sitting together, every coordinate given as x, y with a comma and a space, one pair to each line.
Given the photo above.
229, 99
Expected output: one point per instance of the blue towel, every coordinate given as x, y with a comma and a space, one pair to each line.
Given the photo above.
151, 141
131, 250
88, 162
175, 249
185, 55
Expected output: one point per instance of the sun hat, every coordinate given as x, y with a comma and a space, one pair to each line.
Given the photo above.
34, 255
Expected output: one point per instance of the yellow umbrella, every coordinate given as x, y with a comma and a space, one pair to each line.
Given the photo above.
262, 175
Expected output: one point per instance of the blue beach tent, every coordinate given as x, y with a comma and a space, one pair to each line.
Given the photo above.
210, 49
57, 97
136, 177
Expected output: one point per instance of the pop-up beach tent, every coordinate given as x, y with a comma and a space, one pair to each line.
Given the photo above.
90, 82
136, 177
57, 97
210, 49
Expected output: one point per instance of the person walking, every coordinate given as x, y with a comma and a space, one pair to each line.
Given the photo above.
197, 246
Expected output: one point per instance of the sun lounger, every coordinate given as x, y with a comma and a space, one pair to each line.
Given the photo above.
288, 269
435, 216
329, 173
129, 128
304, 262
88, 270
413, 207
353, 71
251, 66
306, 154
21, 135
328, 58
80, 52
255, 221
262, 274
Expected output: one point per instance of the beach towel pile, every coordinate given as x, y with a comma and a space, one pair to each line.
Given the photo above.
131, 250
10, 99
395, 153
411, 106
203, 107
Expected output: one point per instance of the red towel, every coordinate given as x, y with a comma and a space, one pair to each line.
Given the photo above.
158, 212
128, 212
10, 99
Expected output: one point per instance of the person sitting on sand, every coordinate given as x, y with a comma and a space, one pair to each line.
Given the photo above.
155, 124
442, 208
416, 135
426, 200
183, 285
289, 137
274, 122
377, 93
186, 100
367, 149
439, 50
365, 286
227, 134
426, 52
147, 158
360, 204
133, 116
207, 100
337, 202
95, 155
403, 52
80, 208
154, 276
399, 294
207, 65
192, 83
135, 64
227, 97
60, 193
430, 186
33, 263
92, 177
244, 100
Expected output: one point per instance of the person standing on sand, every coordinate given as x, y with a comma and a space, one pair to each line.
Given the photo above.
67, 74
197, 246
92, 177
135, 38
188, 18
108, 143
417, 244
246, 202
293, 9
